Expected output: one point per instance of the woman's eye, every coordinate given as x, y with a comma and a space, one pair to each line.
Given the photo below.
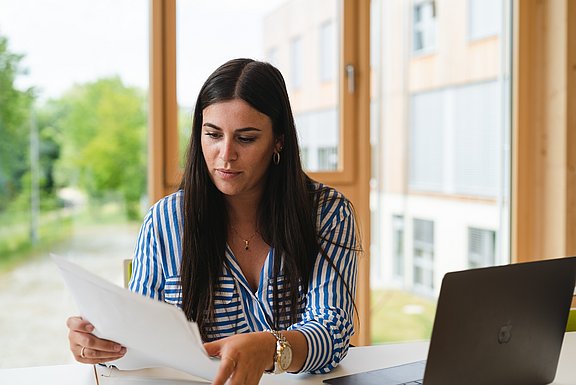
213, 135
246, 139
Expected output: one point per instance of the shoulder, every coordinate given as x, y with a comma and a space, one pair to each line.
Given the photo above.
170, 205
328, 198
332, 206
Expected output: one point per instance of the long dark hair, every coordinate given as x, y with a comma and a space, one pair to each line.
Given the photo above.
287, 215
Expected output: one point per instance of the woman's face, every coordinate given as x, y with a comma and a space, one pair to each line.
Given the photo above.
238, 143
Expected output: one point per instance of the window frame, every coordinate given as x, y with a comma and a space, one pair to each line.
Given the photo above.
353, 175
164, 170
428, 27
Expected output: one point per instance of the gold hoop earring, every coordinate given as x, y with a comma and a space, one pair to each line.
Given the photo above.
276, 158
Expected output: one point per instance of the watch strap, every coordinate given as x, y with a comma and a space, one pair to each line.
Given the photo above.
281, 344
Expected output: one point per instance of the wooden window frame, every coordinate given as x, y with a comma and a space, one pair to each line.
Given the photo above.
163, 166
163, 139
353, 175
544, 130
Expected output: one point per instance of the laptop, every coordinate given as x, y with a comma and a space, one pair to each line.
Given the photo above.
495, 325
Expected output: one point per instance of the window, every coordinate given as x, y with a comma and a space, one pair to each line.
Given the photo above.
441, 141
328, 51
427, 147
279, 23
296, 63
271, 30
318, 135
424, 25
239, 34
306, 39
423, 251
86, 168
398, 245
481, 247
455, 140
327, 158
484, 18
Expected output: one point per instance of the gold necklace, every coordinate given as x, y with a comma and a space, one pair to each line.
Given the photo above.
246, 241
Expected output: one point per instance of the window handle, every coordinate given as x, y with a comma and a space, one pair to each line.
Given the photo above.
351, 74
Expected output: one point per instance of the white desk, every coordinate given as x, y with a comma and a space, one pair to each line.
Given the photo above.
358, 360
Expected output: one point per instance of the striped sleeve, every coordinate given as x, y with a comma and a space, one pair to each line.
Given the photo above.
327, 322
155, 256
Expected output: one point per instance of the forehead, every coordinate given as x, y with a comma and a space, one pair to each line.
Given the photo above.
234, 114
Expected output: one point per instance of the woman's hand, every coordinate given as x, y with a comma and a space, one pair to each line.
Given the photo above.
86, 347
244, 357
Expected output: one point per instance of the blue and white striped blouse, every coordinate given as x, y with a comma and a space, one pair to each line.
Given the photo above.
326, 311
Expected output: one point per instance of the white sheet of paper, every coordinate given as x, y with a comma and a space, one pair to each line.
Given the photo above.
75, 374
154, 333
150, 376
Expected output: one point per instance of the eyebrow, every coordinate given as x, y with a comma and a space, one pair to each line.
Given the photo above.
243, 129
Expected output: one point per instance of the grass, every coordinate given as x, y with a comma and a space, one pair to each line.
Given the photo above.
102, 214
16, 245
55, 227
400, 316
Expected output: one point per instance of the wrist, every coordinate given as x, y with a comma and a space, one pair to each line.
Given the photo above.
271, 351
282, 358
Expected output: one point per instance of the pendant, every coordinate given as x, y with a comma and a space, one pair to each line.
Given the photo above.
246, 244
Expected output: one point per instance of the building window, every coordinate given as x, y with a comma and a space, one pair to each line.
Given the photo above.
296, 67
328, 55
328, 158
318, 136
481, 247
455, 140
398, 245
423, 243
484, 18
424, 25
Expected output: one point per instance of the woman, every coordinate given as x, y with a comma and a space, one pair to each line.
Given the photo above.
259, 255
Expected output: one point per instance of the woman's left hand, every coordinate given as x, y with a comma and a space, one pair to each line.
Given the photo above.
244, 357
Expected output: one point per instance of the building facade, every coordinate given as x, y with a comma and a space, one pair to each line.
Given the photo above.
439, 127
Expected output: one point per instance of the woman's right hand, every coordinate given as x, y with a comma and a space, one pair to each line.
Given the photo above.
86, 347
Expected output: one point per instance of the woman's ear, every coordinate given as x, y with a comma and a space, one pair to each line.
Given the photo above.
279, 143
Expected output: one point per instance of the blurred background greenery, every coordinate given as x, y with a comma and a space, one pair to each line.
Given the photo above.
66, 159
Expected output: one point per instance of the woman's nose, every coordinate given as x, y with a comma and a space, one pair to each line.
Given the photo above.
228, 150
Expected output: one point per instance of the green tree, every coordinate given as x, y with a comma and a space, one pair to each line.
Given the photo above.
49, 152
102, 135
15, 107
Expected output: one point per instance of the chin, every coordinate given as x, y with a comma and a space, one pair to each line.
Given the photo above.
228, 190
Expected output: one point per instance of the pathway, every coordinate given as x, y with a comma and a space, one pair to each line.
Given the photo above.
34, 303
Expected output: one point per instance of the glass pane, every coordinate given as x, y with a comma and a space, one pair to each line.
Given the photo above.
300, 38
440, 137
485, 18
73, 118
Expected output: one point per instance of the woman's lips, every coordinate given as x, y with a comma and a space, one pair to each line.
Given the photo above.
227, 174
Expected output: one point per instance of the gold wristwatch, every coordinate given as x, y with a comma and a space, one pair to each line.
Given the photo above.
283, 354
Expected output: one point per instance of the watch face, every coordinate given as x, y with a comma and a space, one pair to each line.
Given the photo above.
285, 358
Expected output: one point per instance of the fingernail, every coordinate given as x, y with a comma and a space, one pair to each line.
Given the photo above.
89, 328
117, 348
123, 351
